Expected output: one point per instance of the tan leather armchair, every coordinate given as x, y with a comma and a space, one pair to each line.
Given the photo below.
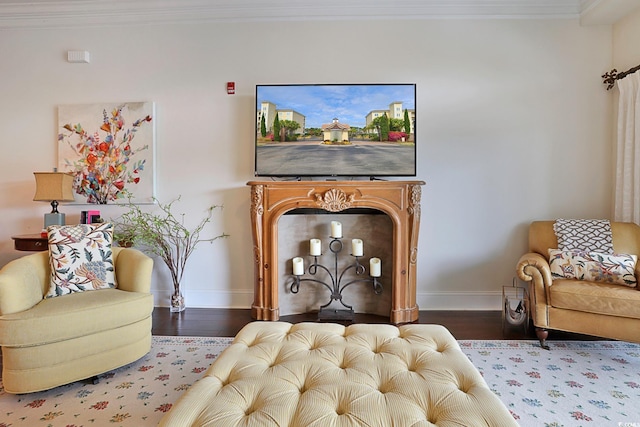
55, 341
591, 308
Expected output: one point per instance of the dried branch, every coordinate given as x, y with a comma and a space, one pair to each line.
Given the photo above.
165, 235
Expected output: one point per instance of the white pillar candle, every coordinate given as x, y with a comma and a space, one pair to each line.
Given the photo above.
336, 229
375, 267
356, 247
315, 247
298, 266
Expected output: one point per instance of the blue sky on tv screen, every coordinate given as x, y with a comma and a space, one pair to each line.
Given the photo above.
350, 104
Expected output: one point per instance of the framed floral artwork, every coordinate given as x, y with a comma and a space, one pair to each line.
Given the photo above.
110, 150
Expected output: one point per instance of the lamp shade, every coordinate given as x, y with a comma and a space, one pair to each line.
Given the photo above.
52, 186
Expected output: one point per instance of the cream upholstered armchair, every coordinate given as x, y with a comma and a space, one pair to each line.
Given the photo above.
47, 342
592, 307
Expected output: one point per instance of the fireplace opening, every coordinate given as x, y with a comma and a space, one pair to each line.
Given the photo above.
297, 227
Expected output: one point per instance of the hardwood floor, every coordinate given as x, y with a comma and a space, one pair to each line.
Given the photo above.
464, 325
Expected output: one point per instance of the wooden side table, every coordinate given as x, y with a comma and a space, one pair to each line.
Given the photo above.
30, 242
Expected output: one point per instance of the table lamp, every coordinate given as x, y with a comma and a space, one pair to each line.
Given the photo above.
53, 187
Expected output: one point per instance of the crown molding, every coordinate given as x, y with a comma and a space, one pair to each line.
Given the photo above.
606, 12
86, 13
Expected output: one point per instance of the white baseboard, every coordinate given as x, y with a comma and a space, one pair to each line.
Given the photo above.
207, 299
487, 300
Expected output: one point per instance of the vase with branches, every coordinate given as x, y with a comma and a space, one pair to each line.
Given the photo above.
163, 233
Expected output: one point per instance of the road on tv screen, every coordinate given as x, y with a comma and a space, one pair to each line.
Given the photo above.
317, 159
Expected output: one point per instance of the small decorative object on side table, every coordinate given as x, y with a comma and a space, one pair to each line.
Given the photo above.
30, 242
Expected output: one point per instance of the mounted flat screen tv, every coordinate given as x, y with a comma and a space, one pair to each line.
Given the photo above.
331, 130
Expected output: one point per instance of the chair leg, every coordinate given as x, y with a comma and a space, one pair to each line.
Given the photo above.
542, 335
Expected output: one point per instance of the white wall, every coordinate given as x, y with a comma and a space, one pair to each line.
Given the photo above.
513, 126
626, 49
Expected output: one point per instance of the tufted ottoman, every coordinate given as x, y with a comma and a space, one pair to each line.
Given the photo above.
324, 374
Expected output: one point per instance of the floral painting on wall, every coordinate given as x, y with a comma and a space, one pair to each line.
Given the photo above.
109, 148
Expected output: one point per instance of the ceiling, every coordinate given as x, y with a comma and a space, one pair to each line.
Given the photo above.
64, 13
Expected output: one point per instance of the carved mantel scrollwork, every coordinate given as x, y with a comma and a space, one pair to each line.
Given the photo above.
414, 200
335, 200
415, 194
257, 210
257, 192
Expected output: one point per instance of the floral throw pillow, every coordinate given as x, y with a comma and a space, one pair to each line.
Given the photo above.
81, 258
593, 266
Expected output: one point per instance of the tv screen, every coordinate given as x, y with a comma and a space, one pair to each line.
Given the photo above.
305, 130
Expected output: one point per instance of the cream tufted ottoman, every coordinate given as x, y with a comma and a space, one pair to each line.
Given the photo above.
324, 374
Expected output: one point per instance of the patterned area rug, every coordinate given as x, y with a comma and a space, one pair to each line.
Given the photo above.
577, 383
135, 395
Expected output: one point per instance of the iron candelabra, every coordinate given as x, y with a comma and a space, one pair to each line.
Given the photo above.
336, 286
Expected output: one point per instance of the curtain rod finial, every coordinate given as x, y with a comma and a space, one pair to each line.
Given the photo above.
610, 78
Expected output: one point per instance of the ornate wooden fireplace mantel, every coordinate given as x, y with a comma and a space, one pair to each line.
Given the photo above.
400, 200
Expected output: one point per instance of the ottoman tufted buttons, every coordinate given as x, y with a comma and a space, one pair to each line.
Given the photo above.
329, 375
